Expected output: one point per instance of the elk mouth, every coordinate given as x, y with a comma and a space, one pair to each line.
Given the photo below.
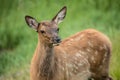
56, 44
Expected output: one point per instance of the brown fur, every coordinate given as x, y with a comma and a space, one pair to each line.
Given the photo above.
83, 56
64, 54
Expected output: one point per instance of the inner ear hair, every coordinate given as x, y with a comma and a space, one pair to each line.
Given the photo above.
31, 22
27, 18
60, 16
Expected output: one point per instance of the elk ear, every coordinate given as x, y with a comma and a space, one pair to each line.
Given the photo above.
60, 15
31, 22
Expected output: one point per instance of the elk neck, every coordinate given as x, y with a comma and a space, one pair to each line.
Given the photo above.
47, 59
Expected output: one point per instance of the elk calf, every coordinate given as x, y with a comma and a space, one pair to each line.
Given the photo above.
83, 56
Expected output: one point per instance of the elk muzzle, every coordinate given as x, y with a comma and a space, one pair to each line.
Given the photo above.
56, 41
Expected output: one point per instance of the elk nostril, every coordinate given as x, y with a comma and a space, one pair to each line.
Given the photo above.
58, 40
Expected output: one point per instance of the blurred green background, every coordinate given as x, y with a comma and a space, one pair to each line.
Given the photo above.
18, 41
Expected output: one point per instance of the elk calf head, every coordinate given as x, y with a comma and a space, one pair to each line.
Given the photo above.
48, 30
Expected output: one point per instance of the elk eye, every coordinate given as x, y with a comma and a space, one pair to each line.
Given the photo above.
57, 29
42, 31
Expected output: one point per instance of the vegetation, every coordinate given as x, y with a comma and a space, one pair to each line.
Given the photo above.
18, 42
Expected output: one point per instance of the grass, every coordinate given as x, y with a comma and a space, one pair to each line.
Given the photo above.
18, 41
